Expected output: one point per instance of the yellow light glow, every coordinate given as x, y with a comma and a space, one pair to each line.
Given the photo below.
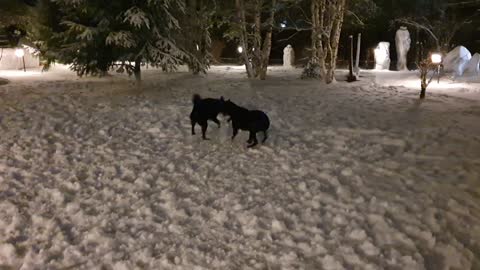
19, 53
436, 58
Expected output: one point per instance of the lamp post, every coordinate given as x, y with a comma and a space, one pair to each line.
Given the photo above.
20, 53
351, 77
437, 60
434, 63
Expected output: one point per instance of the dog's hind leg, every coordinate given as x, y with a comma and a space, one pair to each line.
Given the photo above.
193, 127
265, 136
204, 130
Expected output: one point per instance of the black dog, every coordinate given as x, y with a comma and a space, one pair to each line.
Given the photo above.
252, 121
203, 110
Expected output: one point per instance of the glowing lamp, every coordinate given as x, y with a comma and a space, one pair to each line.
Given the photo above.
239, 49
436, 58
198, 48
283, 25
19, 53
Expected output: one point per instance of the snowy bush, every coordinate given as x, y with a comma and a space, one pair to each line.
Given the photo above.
311, 70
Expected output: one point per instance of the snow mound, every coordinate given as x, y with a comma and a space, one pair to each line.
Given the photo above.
472, 68
456, 60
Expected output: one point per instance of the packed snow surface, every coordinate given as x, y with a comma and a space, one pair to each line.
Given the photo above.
104, 174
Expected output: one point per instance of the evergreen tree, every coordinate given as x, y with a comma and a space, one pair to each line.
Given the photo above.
97, 35
15, 19
195, 35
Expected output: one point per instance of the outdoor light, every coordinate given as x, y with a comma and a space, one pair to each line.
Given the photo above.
283, 25
198, 48
240, 49
436, 58
19, 53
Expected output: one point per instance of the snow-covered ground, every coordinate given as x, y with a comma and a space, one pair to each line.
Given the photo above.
101, 174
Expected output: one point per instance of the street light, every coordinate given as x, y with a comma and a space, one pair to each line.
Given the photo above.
20, 53
239, 49
437, 60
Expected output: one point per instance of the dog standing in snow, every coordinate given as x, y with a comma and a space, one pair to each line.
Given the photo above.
203, 110
251, 120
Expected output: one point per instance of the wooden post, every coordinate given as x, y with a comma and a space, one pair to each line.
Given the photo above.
357, 60
351, 77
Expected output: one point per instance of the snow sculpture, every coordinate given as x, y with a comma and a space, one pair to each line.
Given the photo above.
456, 60
402, 42
382, 56
472, 68
288, 56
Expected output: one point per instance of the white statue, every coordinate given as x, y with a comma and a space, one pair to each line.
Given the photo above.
402, 42
382, 56
288, 56
456, 60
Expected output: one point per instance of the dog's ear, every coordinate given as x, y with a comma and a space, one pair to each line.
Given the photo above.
221, 98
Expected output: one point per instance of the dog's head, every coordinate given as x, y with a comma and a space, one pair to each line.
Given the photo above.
222, 104
228, 107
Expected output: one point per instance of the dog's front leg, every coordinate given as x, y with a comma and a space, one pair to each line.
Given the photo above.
253, 139
250, 138
216, 122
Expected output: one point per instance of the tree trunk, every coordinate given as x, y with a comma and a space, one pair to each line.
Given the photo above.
257, 39
267, 43
315, 31
338, 15
137, 71
240, 7
423, 80
197, 35
327, 21
321, 35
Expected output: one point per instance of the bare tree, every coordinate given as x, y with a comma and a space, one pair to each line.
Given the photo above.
243, 35
441, 31
255, 34
444, 21
327, 20
425, 66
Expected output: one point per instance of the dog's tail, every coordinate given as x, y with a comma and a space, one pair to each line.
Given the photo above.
196, 98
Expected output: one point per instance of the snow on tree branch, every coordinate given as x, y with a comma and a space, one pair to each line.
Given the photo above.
137, 17
121, 39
